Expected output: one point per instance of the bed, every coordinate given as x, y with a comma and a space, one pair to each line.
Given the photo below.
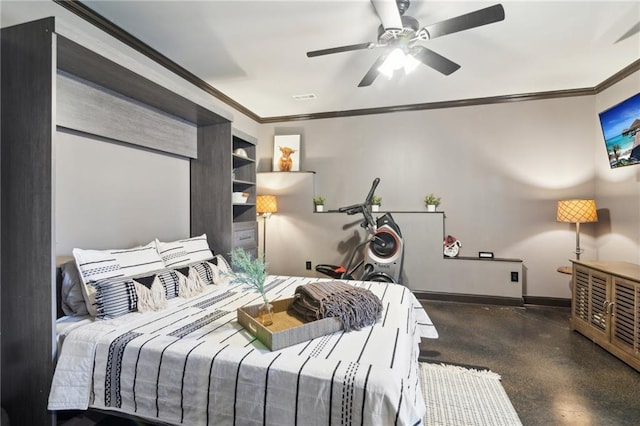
193, 363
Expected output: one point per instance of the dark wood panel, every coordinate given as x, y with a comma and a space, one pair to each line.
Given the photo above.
84, 63
88, 108
211, 210
28, 268
110, 28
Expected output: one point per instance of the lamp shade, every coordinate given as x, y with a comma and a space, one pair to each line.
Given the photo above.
577, 211
266, 204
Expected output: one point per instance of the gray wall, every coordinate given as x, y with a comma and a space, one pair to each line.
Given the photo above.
111, 195
500, 170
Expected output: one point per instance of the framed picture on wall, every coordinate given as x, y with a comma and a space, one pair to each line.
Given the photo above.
286, 153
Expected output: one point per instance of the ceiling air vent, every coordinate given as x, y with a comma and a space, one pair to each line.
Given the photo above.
305, 97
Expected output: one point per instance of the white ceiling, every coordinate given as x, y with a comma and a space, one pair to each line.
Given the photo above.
255, 51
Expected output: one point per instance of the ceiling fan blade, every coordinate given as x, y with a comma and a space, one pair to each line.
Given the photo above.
388, 13
434, 60
475, 19
371, 75
348, 48
632, 31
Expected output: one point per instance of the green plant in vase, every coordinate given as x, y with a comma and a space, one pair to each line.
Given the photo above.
431, 201
375, 203
251, 273
319, 203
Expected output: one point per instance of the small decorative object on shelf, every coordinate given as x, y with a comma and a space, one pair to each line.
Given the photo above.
432, 202
286, 153
239, 197
375, 203
319, 203
252, 273
241, 152
451, 246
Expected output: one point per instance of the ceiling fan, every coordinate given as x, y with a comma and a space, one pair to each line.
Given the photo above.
401, 35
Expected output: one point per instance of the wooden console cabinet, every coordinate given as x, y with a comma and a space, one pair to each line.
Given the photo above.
606, 306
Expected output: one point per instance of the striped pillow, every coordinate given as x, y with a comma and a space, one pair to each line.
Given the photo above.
184, 252
213, 271
170, 281
97, 265
101, 264
118, 296
115, 297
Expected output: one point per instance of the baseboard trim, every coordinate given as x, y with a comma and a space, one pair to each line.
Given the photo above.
494, 300
547, 301
469, 298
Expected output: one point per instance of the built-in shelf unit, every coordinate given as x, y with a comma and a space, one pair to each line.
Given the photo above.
51, 82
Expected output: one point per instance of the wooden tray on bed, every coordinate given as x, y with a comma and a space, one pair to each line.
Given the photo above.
286, 330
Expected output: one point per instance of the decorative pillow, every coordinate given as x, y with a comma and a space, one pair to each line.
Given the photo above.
221, 270
72, 302
97, 265
101, 264
213, 271
115, 297
192, 284
184, 252
170, 280
118, 296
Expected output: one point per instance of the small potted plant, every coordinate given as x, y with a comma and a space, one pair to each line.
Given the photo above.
252, 273
375, 203
431, 201
319, 203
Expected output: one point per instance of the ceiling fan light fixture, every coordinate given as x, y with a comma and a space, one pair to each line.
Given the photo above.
410, 63
393, 62
396, 60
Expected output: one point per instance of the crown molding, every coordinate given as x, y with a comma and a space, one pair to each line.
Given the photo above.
125, 37
434, 105
620, 75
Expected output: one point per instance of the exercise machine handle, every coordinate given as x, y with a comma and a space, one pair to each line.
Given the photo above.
374, 185
368, 221
358, 208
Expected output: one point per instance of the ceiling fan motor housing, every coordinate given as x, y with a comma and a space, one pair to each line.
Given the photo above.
410, 27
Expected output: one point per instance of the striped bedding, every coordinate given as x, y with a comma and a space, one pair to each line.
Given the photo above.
193, 364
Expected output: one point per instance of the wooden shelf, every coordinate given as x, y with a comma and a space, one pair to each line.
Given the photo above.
388, 211
284, 173
484, 259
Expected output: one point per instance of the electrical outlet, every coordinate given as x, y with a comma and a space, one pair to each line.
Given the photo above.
514, 277
308, 265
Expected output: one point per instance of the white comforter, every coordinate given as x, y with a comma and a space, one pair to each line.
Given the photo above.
193, 364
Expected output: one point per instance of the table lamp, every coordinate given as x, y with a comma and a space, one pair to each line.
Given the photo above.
266, 205
577, 211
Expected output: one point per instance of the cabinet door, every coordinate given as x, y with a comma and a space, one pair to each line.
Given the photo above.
590, 300
625, 326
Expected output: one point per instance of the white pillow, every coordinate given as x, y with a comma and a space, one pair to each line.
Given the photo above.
115, 263
184, 252
100, 264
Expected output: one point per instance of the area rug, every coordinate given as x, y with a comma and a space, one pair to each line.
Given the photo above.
457, 396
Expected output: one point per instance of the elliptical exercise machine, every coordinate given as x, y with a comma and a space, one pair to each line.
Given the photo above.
384, 252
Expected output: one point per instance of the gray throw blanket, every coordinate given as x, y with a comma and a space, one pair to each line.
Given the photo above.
356, 307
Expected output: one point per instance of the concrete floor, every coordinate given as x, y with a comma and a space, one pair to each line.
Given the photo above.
552, 375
